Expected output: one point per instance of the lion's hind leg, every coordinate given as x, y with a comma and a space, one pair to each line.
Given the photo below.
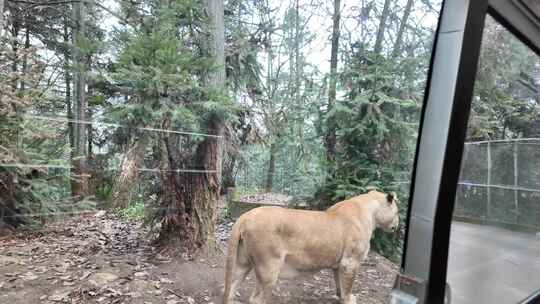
241, 271
240, 274
267, 273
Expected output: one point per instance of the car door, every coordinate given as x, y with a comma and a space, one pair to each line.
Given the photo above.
473, 218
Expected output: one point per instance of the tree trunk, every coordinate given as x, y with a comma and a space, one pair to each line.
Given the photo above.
229, 167
330, 140
10, 215
24, 67
402, 25
79, 184
190, 199
175, 201
297, 53
216, 43
206, 186
382, 27
229, 178
1, 17
129, 173
15, 47
271, 169
67, 78
90, 136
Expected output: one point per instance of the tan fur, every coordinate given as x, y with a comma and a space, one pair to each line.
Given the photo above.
278, 242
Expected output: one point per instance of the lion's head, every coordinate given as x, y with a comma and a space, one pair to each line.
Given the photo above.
387, 217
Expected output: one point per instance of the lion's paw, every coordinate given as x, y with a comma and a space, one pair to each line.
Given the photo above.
351, 300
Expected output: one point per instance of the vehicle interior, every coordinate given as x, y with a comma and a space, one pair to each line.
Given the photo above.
142, 142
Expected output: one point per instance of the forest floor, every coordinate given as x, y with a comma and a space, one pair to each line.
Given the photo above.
100, 258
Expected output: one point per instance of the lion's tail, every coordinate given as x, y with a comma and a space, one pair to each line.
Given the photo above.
232, 255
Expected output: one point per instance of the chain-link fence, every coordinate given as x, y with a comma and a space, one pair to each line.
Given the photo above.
296, 178
290, 178
500, 183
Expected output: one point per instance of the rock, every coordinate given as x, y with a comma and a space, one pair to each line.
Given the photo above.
134, 294
29, 276
59, 295
166, 281
99, 279
190, 300
66, 278
85, 275
100, 213
141, 274
173, 302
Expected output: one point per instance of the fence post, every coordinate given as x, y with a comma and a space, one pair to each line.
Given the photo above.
516, 197
488, 207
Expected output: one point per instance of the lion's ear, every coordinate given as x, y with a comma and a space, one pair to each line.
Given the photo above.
391, 196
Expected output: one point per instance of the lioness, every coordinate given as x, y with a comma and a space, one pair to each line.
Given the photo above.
280, 242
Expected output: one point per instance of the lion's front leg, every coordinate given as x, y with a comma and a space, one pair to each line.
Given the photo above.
347, 272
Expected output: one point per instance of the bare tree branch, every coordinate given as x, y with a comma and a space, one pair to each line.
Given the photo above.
37, 4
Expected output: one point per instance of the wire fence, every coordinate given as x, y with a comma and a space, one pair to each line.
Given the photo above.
298, 178
51, 161
292, 176
500, 183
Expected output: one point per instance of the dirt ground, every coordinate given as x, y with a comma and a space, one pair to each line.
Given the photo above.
99, 258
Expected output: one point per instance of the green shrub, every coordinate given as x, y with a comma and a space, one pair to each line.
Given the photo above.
135, 211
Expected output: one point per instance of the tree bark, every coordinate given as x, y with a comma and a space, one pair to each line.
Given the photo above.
1, 17
382, 27
79, 184
402, 25
129, 173
330, 140
271, 169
